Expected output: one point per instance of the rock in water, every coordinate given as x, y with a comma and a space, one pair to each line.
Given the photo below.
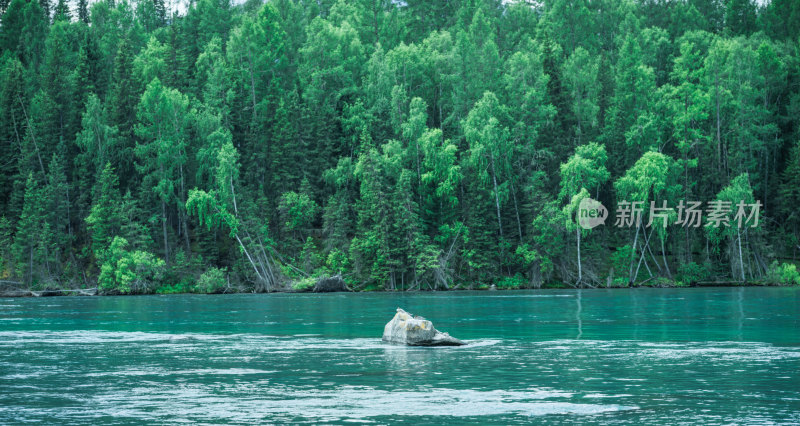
330, 284
406, 329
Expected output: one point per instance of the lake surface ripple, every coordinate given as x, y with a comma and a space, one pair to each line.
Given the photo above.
642, 356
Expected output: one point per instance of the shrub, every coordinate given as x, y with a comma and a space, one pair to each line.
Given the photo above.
213, 280
337, 261
182, 273
692, 273
172, 289
619, 282
783, 274
304, 284
621, 260
128, 272
515, 282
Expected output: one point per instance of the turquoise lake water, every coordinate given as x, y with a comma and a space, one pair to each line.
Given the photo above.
641, 356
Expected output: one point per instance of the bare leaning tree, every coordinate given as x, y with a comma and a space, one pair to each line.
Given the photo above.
217, 208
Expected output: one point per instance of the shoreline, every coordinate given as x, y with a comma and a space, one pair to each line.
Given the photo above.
92, 292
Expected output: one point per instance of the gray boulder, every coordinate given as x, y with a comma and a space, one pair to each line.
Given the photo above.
330, 284
406, 329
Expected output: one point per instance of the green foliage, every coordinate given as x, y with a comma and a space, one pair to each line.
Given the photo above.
213, 280
653, 177
511, 283
692, 273
620, 259
337, 261
585, 169
30, 246
104, 221
782, 274
310, 260
304, 284
737, 194
128, 272
580, 78
299, 211
405, 145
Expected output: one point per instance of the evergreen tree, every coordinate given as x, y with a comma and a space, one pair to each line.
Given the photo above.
61, 12
13, 19
164, 121
83, 11
58, 208
13, 125
30, 246
122, 101
740, 16
580, 79
98, 145
489, 149
405, 145
57, 82
31, 41
105, 220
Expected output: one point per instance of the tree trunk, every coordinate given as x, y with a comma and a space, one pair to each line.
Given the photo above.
741, 262
164, 229
516, 211
633, 254
580, 271
250, 258
496, 198
184, 215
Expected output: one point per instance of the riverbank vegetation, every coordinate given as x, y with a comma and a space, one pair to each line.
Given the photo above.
405, 145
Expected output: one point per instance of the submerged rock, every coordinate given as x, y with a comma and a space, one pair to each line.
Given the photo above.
406, 329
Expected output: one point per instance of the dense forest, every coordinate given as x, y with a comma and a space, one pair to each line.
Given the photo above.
425, 144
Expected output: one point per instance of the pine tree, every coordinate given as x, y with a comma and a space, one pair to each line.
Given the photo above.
83, 11
164, 121
46, 8
13, 22
789, 194
490, 150
57, 82
6, 240
98, 145
31, 42
105, 221
29, 248
58, 210
580, 79
84, 75
13, 125
61, 12
122, 101
371, 249
687, 103
632, 119
740, 16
